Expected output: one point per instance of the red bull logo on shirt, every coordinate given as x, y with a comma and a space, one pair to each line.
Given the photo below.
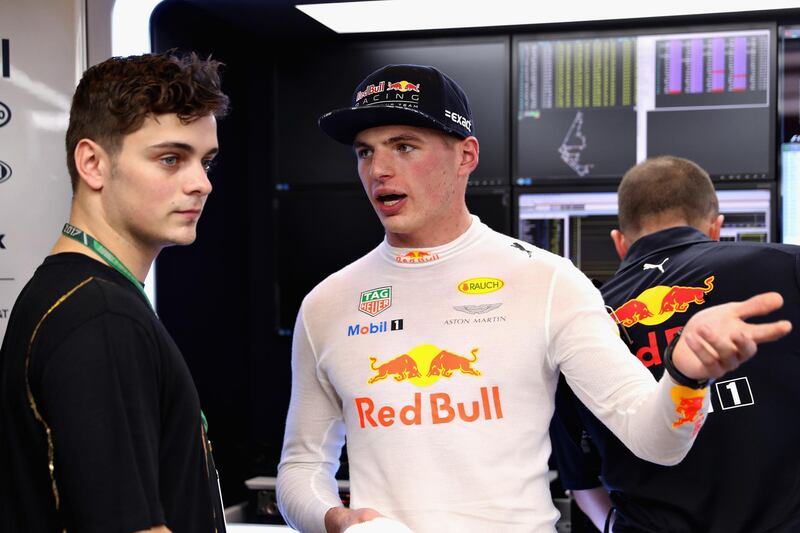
423, 366
657, 304
416, 257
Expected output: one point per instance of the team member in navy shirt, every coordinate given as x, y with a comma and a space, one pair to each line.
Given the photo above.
742, 472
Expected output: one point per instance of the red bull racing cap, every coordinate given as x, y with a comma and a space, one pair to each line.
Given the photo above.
412, 95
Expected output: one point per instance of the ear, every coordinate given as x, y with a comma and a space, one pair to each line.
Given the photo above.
470, 150
93, 163
621, 244
716, 227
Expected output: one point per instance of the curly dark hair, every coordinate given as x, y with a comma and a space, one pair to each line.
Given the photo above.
114, 98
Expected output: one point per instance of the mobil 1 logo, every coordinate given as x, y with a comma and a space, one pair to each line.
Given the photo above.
371, 328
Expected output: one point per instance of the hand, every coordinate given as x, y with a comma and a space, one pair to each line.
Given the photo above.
337, 519
717, 340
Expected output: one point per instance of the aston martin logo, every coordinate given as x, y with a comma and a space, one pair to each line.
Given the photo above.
476, 309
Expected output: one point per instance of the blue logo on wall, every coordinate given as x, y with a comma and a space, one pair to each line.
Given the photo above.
5, 171
5, 114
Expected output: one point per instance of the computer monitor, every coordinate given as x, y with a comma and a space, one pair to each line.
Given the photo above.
577, 224
790, 193
789, 117
590, 107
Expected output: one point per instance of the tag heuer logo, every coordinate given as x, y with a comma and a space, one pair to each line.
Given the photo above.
375, 301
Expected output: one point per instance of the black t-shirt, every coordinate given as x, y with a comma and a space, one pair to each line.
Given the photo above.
742, 473
91, 382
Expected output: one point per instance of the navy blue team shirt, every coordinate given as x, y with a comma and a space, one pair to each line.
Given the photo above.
743, 471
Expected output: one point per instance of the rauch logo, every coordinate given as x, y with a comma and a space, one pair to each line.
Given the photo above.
480, 285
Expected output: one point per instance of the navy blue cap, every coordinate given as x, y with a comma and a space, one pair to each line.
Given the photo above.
412, 95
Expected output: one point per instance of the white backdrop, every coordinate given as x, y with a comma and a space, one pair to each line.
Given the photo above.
46, 54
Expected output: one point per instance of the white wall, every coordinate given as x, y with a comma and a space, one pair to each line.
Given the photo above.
47, 54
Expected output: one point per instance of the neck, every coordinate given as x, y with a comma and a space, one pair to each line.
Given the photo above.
436, 236
134, 257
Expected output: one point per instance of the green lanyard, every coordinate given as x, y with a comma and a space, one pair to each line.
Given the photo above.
93, 244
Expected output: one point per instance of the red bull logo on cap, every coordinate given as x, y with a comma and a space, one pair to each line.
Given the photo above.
371, 89
375, 301
403, 86
657, 304
416, 257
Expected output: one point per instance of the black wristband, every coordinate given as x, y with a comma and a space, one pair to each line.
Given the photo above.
676, 374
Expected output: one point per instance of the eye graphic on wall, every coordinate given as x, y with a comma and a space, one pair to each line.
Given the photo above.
5, 114
5, 171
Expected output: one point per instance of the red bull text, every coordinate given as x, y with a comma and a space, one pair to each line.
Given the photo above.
416, 257
440, 408
370, 89
423, 366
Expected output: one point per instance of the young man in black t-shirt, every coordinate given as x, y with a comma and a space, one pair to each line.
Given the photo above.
741, 474
100, 422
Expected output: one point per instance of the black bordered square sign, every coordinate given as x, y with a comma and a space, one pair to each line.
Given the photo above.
733, 393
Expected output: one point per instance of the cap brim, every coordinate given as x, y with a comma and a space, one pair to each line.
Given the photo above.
344, 124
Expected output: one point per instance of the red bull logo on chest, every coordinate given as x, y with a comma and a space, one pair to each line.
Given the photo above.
658, 304
423, 366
